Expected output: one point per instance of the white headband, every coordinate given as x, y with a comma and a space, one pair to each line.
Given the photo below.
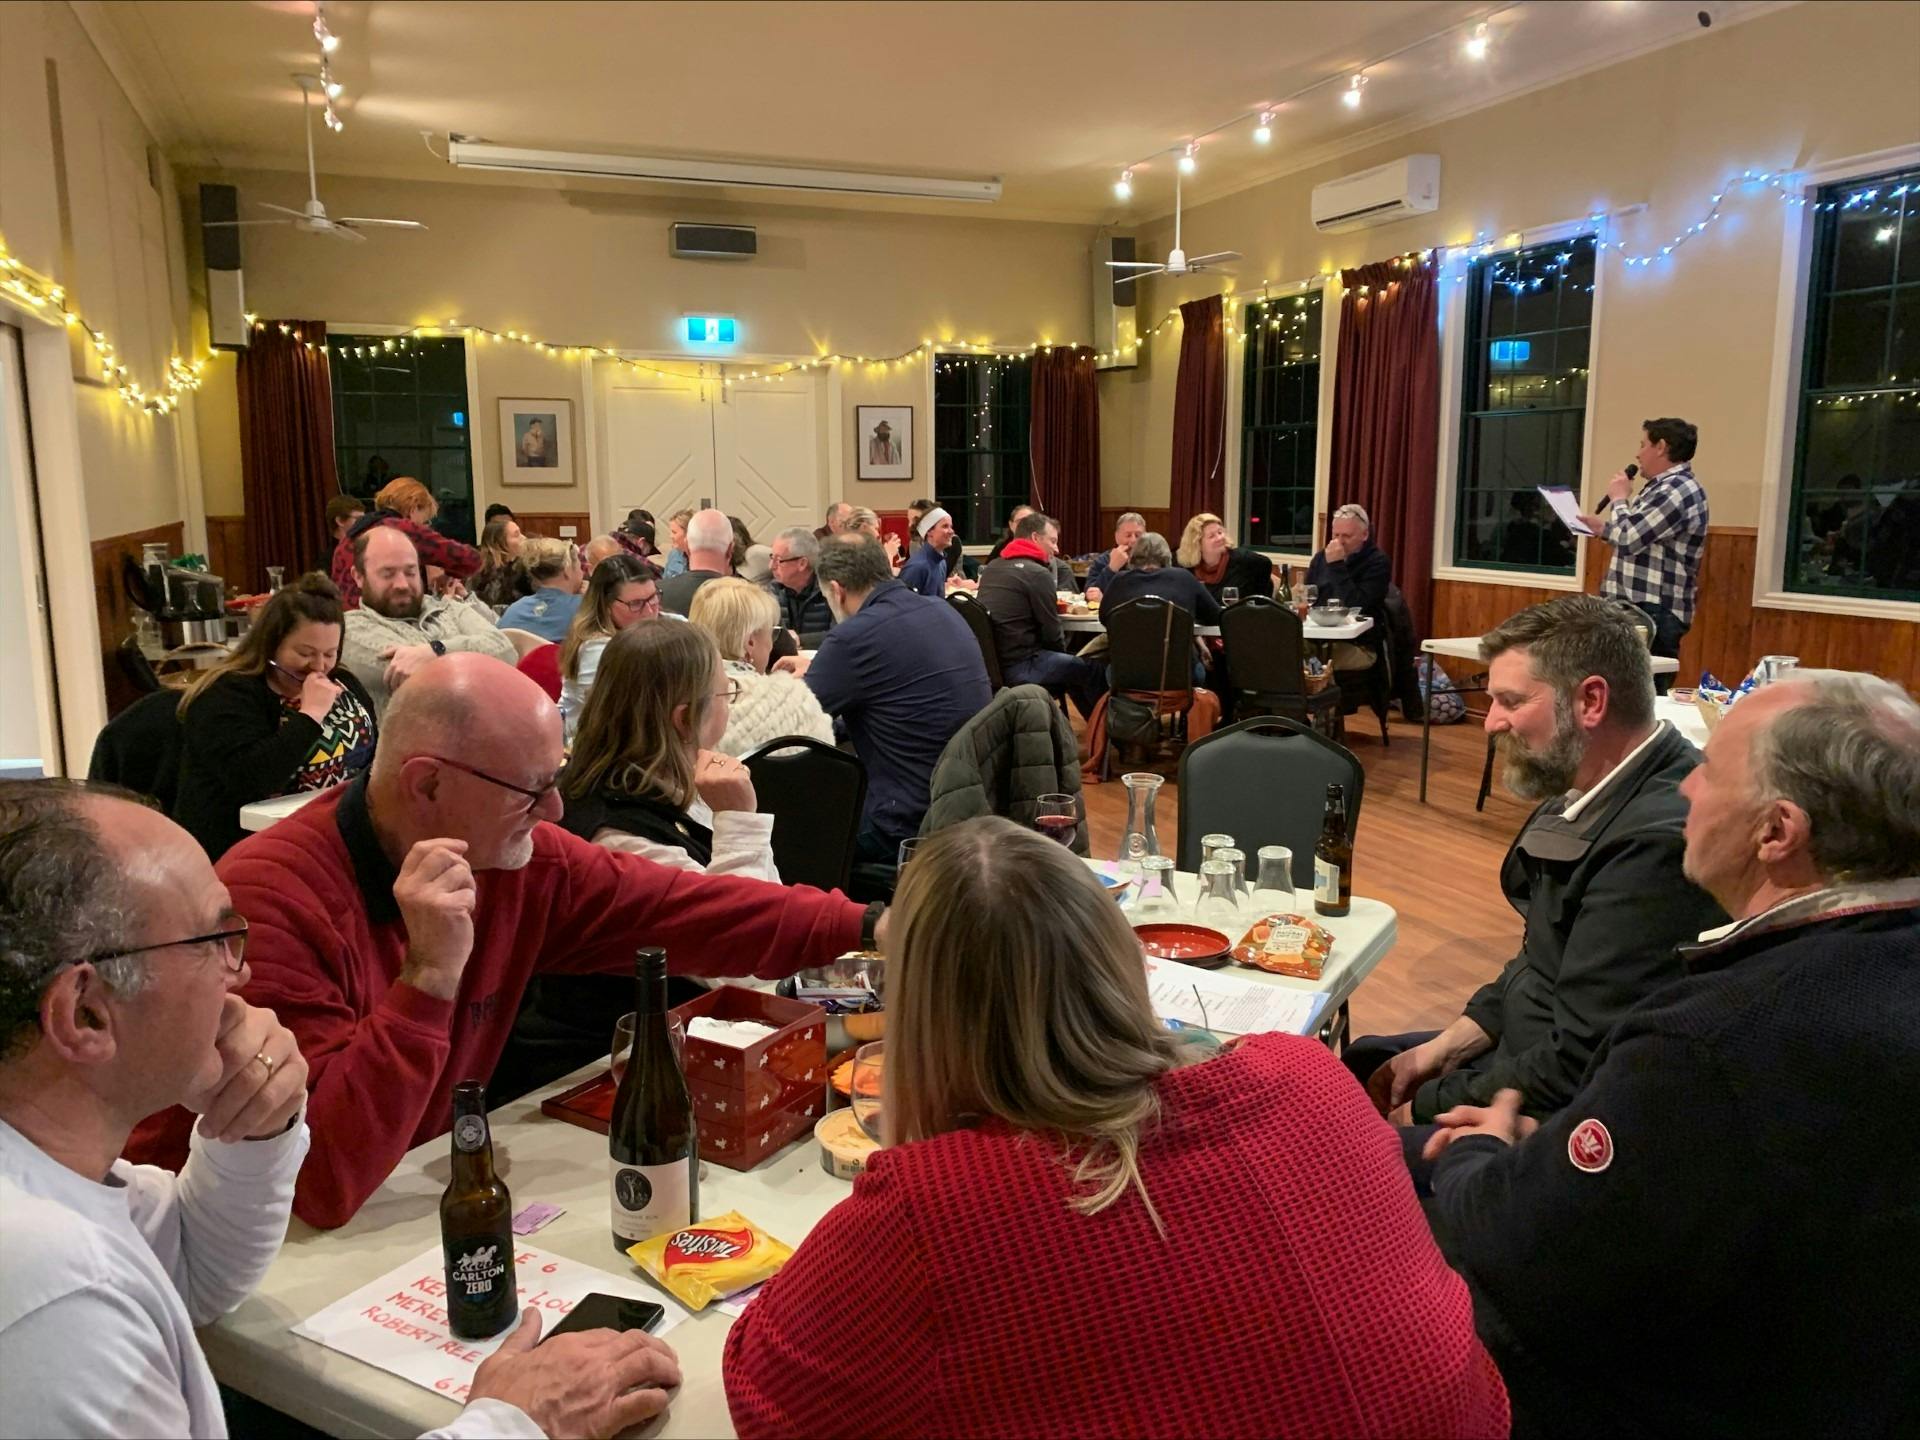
932, 518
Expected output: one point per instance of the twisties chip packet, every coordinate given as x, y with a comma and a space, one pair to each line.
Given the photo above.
699, 1264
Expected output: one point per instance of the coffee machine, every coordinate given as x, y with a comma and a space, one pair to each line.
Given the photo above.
188, 606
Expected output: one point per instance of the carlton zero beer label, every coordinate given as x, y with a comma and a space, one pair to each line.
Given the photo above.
649, 1200
476, 1268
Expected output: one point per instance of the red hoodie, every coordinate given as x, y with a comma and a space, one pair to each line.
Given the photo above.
326, 942
1025, 549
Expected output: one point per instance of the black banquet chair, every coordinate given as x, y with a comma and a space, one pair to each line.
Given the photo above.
1264, 782
1150, 659
1266, 654
981, 624
815, 794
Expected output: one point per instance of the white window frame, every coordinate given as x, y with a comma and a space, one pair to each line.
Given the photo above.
1330, 296
1783, 402
1453, 363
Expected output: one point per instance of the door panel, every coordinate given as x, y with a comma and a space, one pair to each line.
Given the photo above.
659, 443
767, 440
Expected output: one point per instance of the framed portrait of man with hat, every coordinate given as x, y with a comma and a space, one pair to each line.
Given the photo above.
886, 441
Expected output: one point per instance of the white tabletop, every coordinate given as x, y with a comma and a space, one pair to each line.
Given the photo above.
1467, 647
1685, 717
1351, 630
264, 813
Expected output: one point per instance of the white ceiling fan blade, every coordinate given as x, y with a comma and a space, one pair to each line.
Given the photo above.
1214, 259
212, 224
342, 232
1133, 264
297, 214
369, 220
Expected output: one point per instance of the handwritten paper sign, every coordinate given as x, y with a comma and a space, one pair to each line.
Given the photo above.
399, 1322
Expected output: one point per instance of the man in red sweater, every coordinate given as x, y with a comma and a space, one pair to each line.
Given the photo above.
396, 922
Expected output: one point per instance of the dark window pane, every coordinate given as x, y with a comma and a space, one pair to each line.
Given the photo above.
1908, 239
1863, 248
1903, 359
1280, 405
1856, 339
442, 366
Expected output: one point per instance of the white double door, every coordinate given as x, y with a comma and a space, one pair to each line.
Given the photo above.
678, 436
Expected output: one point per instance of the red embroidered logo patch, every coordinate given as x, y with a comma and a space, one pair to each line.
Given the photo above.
1590, 1147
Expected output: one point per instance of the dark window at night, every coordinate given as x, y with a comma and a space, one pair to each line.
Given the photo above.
1280, 422
400, 408
981, 406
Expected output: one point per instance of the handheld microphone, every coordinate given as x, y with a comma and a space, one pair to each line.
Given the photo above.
1606, 500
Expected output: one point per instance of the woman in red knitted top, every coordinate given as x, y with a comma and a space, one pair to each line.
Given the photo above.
1084, 1226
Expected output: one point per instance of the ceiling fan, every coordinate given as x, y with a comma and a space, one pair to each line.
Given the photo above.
314, 218
1176, 262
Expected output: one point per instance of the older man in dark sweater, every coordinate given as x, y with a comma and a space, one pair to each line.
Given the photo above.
1718, 1234
1594, 874
1357, 573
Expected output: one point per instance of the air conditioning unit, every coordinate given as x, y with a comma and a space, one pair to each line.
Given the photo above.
713, 242
1378, 196
1113, 303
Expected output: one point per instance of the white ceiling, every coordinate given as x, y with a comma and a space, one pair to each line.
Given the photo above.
1053, 97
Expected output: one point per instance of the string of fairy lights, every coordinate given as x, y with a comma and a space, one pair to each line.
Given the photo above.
184, 376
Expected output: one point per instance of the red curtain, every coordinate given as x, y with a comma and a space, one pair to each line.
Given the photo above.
286, 447
1064, 443
1200, 416
1386, 414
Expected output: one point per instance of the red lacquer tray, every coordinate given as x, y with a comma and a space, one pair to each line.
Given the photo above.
588, 1104
1189, 944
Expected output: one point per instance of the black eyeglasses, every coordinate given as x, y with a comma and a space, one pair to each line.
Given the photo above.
233, 943
645, 602
534, 797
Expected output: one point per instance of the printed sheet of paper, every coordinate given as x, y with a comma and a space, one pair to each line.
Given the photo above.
1227, 1004
399, 1322
1565, 506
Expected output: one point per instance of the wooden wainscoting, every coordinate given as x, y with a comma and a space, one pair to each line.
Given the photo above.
115, 610
548, 523
1728, 633
228, 551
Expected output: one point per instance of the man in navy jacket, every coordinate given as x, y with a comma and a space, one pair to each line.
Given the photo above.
1719, 1235
899, 673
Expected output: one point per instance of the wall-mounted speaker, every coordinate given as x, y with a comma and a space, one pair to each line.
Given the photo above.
227, 324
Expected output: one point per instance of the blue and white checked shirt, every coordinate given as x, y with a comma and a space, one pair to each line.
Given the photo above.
1657, 537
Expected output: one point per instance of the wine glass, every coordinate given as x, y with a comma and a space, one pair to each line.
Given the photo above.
1057, 817
1229, 594
869, 1062
276, 577
1313, 595
623, 1043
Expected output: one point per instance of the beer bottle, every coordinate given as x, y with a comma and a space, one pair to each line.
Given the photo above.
1333, 858
476, 1226
651, 1138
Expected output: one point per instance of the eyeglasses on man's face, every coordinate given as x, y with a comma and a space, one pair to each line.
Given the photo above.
533, 796
232, 941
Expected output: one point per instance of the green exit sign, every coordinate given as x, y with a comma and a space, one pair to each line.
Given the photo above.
709, 329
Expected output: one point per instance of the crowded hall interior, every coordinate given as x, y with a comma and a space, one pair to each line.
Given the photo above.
959, 719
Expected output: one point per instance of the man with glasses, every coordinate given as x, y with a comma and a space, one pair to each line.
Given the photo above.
120, 956
398, 920
399, 628
803, 609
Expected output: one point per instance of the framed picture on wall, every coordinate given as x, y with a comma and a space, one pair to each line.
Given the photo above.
536, 442
886, 441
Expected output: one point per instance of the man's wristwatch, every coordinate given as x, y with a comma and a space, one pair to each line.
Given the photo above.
439, 647
870, 924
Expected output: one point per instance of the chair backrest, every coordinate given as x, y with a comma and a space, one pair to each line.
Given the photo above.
1265, 649
981, 623
542, 666
136, 667
1264, 782
815, 794
140, 748
1150, 646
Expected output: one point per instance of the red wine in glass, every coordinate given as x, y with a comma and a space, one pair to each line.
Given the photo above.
1057, 827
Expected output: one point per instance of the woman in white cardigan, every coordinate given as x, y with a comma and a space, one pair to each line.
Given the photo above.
740, 617
644, 776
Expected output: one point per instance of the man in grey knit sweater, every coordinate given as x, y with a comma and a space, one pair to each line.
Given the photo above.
399, 627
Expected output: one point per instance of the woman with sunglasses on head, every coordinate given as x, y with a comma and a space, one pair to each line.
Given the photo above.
623, 592
644, 776
1086, 1224
278, 715
742, 617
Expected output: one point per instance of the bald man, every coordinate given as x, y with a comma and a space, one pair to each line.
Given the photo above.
397, 920
598, 549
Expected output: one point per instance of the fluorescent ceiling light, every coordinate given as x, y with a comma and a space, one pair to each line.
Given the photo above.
481, 155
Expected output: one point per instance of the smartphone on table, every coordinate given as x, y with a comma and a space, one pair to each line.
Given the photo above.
609, 1312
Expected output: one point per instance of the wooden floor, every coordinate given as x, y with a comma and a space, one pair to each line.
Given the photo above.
1437, 864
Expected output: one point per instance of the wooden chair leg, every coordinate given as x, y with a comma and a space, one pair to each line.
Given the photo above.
1486, 778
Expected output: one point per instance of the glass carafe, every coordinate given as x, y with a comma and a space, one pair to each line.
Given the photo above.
1140, 840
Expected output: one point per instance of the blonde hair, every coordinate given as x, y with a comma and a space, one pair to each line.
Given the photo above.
627, 740
311, 599
1046, 1026
493, 542
545, 559
404, 495
859, 518
732, 611
1189, 552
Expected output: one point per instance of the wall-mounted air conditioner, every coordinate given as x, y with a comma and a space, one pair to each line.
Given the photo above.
1378, 196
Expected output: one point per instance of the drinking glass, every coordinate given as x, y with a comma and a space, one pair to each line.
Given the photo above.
1155, 901
1058, 818
276, 577
623, 1042
1219, 907
1238, 859
1229, 594
869, 1062
907, 847
1313, 594
1273, 886
1211, 843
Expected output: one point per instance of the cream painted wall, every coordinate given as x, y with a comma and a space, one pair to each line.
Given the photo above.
86, 200
1692, 337
593, 268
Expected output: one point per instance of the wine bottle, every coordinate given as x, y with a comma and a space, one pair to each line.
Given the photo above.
1333, 858
651, 1138
476, 1226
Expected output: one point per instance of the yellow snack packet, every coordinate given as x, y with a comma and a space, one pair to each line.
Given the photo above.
699, 1264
